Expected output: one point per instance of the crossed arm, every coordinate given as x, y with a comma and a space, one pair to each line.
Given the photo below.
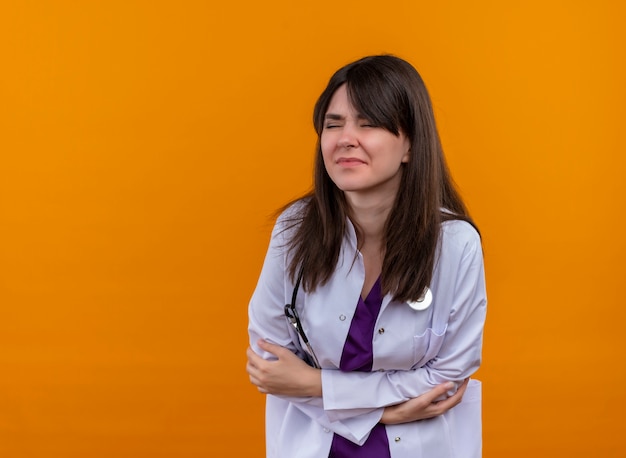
401, 396
288, 375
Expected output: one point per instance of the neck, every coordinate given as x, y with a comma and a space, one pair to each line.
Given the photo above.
370, 213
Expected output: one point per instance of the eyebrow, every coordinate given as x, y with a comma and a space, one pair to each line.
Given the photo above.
333, 116
338, 117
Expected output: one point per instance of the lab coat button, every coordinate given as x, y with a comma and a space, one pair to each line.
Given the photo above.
397, 439
326, 430
342, 317
381, 331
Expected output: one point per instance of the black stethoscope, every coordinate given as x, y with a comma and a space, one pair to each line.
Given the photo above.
422, 303
292, 315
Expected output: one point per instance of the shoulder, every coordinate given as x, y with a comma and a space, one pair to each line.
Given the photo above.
290, 218
459, 236
294, 211
292, 215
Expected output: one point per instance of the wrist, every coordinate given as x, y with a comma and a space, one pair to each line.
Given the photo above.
314, 387
389, 416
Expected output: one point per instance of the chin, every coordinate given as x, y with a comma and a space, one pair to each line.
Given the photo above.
349, 187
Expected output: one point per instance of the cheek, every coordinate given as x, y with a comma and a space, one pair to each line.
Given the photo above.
327, 148
324, 142
327, 163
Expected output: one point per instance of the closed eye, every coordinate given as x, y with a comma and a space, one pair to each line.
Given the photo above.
332, 120
367, 123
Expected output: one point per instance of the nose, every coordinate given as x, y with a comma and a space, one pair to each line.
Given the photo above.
348, 138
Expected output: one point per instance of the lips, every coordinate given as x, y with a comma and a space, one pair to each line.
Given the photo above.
349, 161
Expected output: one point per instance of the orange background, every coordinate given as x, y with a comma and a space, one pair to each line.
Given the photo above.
144, 145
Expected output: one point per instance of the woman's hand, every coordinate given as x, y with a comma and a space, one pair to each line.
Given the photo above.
288, 375
424, 406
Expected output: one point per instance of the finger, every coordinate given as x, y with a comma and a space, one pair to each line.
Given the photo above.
445, 405
442, 407
256, 363
457, 397
270, 347
437, 392
252, 376
259, 385
250, 368
463, 387
253, 358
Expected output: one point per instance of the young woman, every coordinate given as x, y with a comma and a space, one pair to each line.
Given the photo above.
381, 269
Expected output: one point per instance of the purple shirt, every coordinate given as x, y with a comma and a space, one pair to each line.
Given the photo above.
358, 355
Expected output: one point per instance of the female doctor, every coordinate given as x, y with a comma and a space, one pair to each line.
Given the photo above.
367, 319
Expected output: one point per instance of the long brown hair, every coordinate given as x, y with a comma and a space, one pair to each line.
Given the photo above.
390, 93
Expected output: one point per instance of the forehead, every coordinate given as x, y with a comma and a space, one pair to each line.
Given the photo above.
340, 103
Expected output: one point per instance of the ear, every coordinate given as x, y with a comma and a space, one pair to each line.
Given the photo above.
407, 155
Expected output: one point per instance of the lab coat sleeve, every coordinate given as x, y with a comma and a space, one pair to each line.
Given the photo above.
266, 315
458, 358
266, 320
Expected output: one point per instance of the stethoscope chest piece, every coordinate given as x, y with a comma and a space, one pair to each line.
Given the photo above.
423, 302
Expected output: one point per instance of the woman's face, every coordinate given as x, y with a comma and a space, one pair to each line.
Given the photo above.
360, 158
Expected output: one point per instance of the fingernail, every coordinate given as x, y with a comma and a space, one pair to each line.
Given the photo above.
449, 385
